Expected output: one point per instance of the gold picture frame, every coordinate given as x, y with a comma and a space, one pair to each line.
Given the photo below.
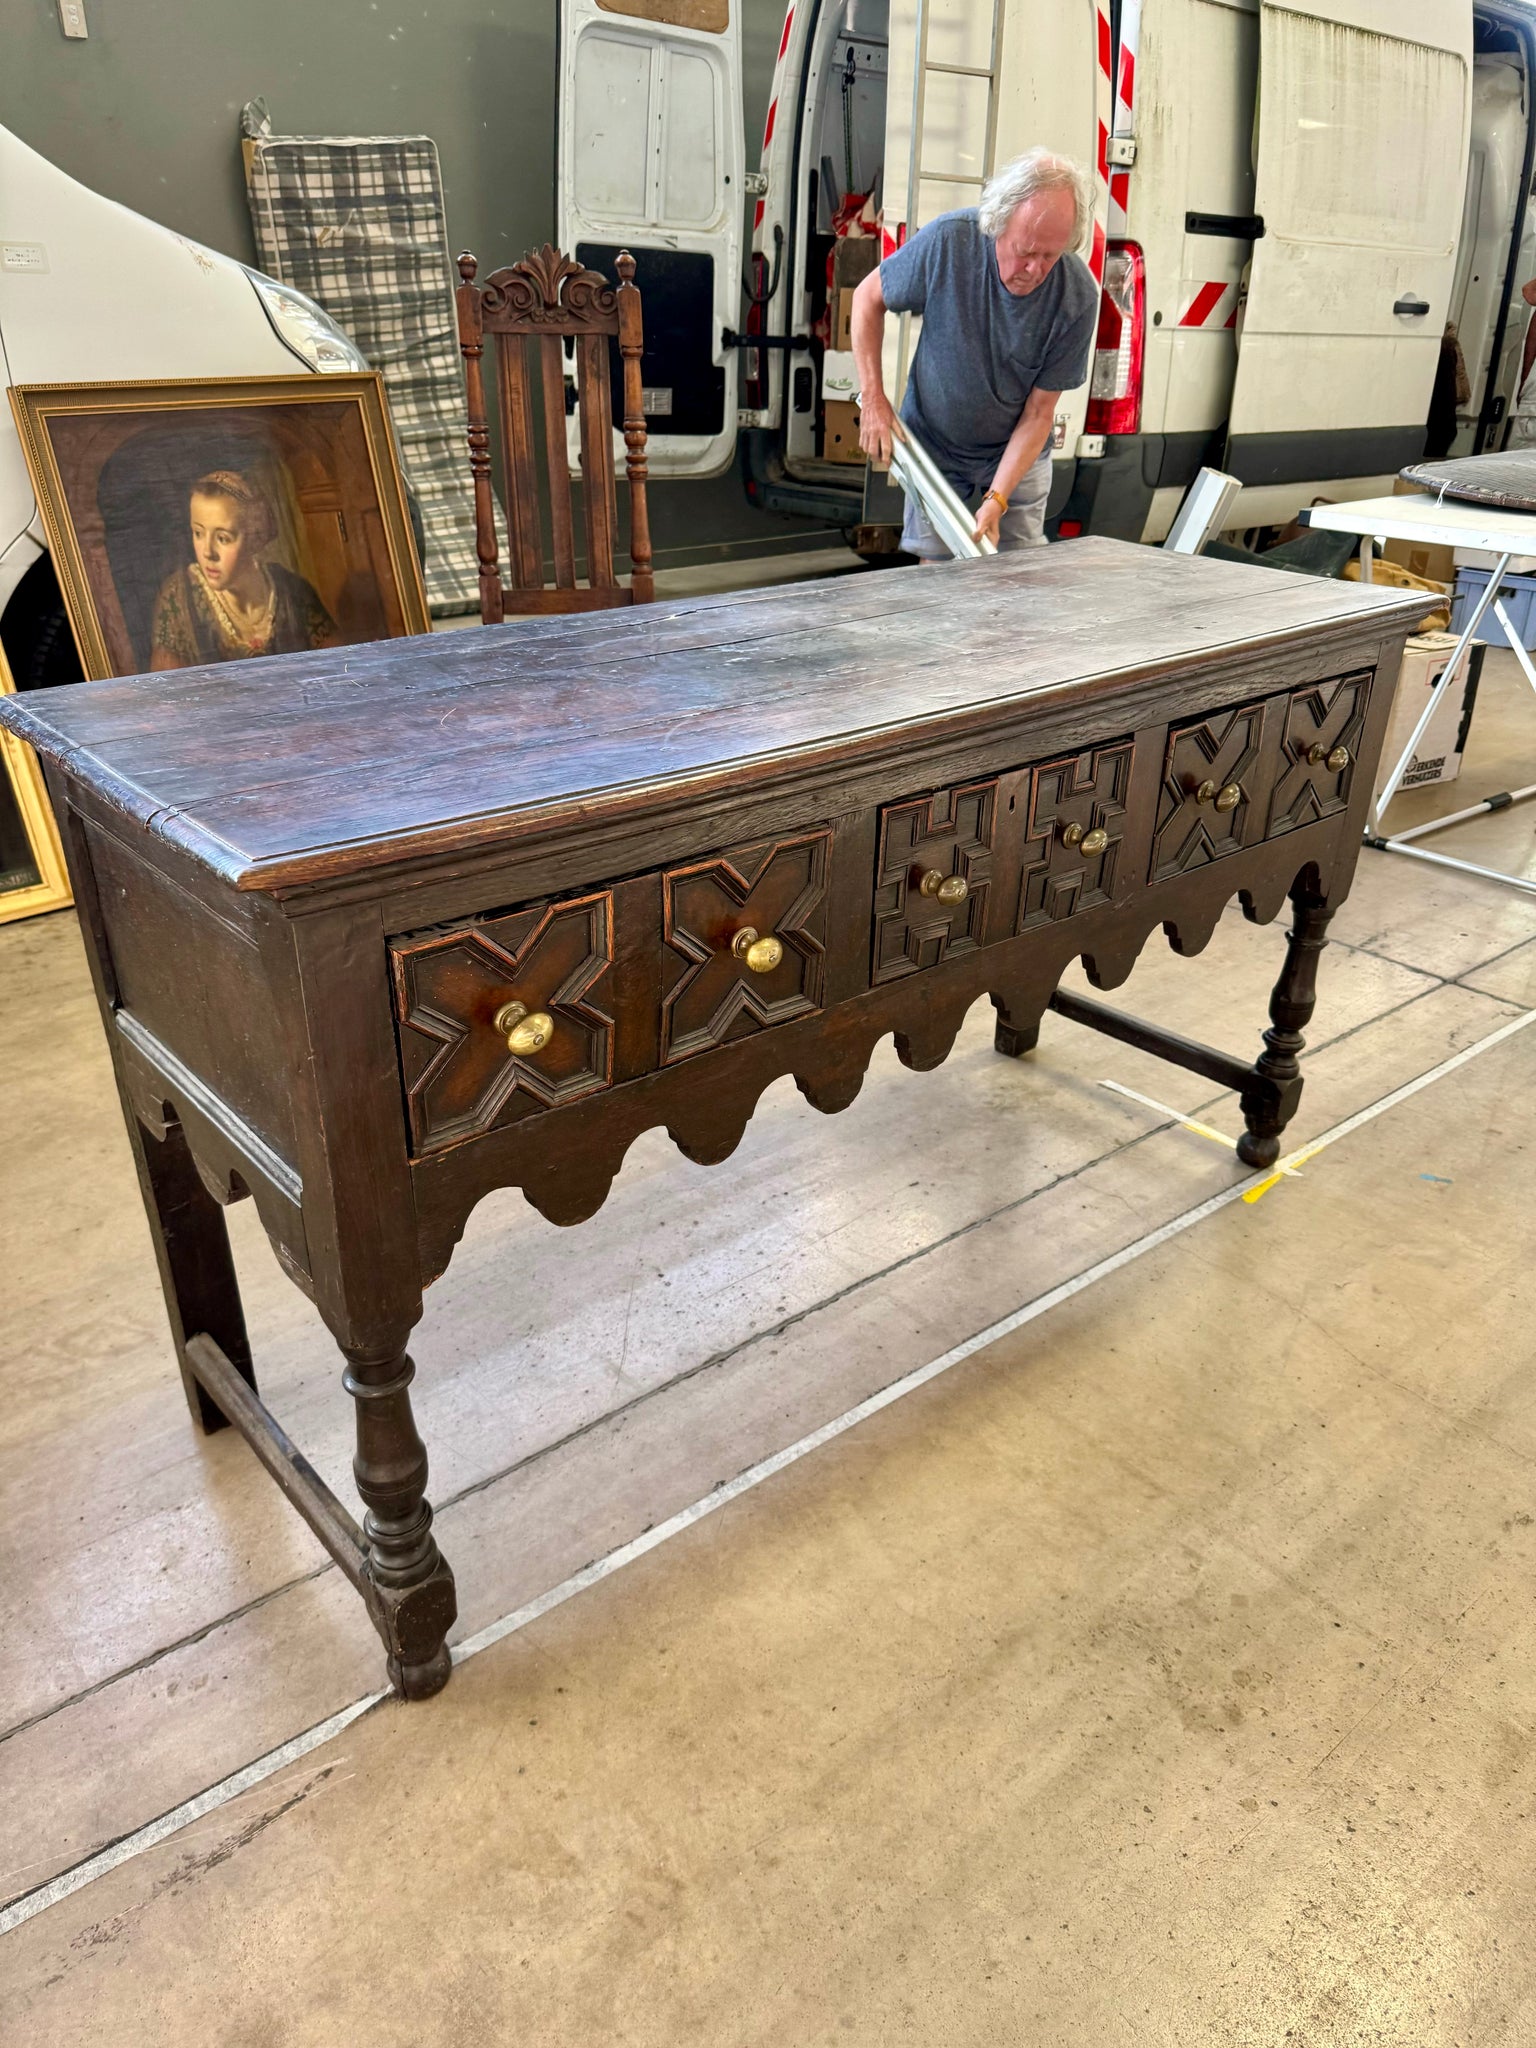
22, 791
295, 479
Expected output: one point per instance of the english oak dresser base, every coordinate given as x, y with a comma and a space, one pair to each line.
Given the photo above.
377, 932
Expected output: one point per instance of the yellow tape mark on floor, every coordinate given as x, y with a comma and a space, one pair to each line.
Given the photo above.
1283, 1167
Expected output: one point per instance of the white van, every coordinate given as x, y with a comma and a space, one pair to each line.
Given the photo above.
1293, 201
92, 292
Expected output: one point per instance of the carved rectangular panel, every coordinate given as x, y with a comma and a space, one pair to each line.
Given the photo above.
944, 838
1205, 810
1070, 802
1323, 724
460, 1076
712, 994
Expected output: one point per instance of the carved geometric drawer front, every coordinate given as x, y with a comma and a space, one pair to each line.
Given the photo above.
1073, 834
932, 873
746, 943
461, 1076
1204, 811
1323, 724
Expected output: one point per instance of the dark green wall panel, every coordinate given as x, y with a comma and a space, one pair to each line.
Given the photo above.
147, 111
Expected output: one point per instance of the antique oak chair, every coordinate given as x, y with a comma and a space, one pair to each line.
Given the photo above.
532, 309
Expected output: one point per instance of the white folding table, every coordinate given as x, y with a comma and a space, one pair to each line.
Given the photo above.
1445, 522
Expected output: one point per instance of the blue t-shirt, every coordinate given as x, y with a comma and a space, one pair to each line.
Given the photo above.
982, 351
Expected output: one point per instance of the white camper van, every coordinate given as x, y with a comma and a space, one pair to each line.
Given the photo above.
91, 292
1294, 200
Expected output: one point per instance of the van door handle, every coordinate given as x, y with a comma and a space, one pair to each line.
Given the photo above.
1417, 307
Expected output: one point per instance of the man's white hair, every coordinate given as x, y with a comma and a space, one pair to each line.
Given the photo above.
1036, 171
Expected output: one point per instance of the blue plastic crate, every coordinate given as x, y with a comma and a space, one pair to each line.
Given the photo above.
1518, 596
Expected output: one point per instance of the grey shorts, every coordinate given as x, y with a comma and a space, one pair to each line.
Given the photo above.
1022, 525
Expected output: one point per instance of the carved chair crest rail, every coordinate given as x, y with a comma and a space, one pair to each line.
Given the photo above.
544, 307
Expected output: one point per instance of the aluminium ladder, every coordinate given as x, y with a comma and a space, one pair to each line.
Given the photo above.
917, 176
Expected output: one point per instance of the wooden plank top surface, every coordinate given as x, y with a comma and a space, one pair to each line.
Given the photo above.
307, 766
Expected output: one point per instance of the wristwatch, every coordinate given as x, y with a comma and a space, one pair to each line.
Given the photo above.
1002, 501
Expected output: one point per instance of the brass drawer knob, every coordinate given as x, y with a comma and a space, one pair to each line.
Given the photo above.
944, 888
1338, 760
1086, 842
760, 956
1225, 799
523, 1032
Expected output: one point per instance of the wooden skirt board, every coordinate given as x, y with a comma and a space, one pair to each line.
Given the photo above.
378, 932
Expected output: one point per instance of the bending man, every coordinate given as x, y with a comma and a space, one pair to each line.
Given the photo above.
1009, 317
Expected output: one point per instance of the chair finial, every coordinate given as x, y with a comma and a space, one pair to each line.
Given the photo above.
468, 267
625, 267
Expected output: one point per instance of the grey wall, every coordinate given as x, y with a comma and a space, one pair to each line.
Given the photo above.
147, 110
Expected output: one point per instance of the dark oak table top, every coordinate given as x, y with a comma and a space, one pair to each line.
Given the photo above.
293, 769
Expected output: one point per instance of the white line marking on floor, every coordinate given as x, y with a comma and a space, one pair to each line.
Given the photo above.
179, 1817
68, 1881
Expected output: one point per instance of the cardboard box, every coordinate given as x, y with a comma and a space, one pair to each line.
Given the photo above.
839, 376
840, 432
842, 320
853, 258
1437, 757
1422, 557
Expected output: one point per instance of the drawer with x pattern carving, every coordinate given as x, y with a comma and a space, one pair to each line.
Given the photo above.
529, 1009
1238, 777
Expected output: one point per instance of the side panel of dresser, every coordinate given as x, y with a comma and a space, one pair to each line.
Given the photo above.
181, 981
190, 1016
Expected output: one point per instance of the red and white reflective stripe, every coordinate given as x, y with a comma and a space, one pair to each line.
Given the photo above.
1125, 104
1210, 305
1104, 97
773, 105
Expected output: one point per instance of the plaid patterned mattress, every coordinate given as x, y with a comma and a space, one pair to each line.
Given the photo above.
357, 223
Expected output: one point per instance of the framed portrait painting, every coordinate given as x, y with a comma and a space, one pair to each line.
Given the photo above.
32, 875
222, 519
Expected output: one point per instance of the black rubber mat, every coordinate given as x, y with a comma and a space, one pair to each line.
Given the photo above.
1508, 480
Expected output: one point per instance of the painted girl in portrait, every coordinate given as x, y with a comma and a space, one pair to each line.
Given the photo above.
229, 603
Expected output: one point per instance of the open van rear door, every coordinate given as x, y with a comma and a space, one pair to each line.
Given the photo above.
1363, 120
650, 160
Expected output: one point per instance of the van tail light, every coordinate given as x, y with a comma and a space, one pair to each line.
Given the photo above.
1114, 396
755, 396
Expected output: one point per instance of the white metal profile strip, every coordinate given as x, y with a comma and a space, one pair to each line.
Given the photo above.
918, 474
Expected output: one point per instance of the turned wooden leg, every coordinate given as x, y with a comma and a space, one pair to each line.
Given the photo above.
1013, 1040
1269, 1102
409, 1589
197, 1273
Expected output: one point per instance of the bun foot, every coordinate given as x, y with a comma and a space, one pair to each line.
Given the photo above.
1257, 1151
420, 1681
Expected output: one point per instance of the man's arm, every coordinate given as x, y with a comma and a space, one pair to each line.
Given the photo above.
1024, 445
877, 422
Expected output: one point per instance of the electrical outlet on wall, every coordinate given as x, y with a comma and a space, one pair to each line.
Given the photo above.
72, 18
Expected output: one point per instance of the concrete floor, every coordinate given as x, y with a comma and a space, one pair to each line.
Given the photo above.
1163, 1673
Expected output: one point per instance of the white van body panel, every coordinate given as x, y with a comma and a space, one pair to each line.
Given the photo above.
1364, 116
91, 292
650, 157
1196, 70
